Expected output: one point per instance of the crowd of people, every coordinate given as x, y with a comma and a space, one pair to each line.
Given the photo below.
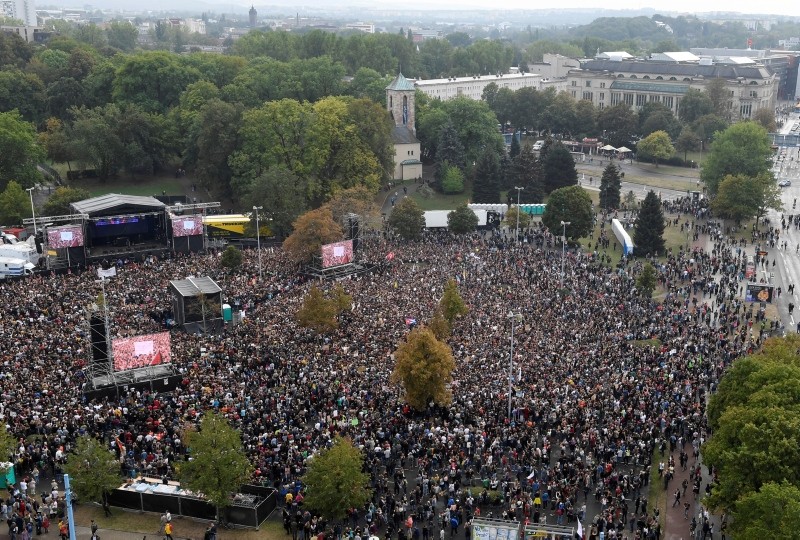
602, 378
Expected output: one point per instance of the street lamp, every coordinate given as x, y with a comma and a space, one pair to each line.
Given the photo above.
258, 240
563, 249
516, 232
33, 212
514, 317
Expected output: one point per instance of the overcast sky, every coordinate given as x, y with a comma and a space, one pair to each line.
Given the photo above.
776, 7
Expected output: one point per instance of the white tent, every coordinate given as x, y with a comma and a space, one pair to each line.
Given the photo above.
608, 148
623, 150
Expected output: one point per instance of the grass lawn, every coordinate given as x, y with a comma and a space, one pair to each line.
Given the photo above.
662, 176
148, 523
140, 185
656, 496
439, 201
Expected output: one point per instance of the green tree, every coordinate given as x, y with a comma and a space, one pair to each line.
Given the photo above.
619, 124
462, 220
569, 204
771, 512
743, 148
526, 172
407, 219
358, 200
513, 213
486, 184
649, 234
20, 153
451, 304
58, 203
646, 281
335, 481
212, 139
610, 186
318, 312
424, 367
694, 105
14, 204
282, 195
122, 35
311, 231
766, 118
688, 141
515, 147
452, 179
231, 258
217, 465
559, 168
93, 469
24, 92
8, 446
133, 82
656, 146
449, 151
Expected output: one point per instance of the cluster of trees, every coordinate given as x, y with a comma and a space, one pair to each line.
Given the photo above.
754, 417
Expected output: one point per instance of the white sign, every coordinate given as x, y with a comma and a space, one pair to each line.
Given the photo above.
66, 236
338, 251
188, 224
141, 348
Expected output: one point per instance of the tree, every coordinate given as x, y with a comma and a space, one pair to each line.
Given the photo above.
122, 35
559, 168
439, 326
407, 219
20, 152
486, 185
771, 512
610, 186
58, 203
451, 304
743, 148
766, 118
449, 152
741, 198
462, 220
134, 80
93, 469
688, 141
646, 282
311, 231
8, 446
217, 465
515, 147
649, 234
511, 218
358, 200
694, 105
318, 312
619, 124
569, 204
212, 139
282, 195
231, 258
424, 366
656, 146
452, 179
526, 172
335, 480
14, 204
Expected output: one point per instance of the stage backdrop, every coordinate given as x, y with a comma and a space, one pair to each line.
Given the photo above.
187, 225
141, 351
337, 253
64, 237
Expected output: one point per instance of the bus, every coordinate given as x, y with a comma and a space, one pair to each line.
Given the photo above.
232, 226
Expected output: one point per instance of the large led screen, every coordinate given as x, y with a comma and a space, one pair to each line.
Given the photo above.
64, 237
337, 254
187, 225
141, 351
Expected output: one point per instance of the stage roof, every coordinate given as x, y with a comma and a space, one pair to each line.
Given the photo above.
194, 286
116, 203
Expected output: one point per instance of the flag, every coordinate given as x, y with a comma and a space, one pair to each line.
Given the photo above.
390, 256
411, 321
103, 273
580, 530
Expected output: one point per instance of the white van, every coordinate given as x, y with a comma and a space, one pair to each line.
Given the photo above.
15, 268
537, 146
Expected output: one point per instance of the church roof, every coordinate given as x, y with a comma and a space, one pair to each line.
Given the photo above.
403, 135
400, 83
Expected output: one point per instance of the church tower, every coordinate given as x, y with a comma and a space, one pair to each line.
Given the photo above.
400, 102
253, 16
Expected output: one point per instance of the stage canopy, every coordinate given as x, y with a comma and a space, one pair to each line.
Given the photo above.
195, 286
113, 204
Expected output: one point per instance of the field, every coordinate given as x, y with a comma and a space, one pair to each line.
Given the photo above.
144, 185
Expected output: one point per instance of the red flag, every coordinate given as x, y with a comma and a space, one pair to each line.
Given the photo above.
390, 256
156, 359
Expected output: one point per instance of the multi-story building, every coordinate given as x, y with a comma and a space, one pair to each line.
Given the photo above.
367, 28
779, 61
24, 10
635, 82
472, 87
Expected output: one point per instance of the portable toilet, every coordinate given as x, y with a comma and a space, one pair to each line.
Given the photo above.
7, 476
227, 313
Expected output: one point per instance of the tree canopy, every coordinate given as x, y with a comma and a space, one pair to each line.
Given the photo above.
311, 231
21, 151
742, 149
424, 367
93, 469
462, 220
571, 205
656, 146
649, 233
407, 219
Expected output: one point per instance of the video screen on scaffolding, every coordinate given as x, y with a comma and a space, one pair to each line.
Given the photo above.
63, 237
187, 225
141, 351
337, 254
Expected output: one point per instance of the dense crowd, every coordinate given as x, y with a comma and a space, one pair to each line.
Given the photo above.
602, 378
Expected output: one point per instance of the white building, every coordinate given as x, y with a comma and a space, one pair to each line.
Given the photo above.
472, 87
24, 10
195, 26
367, 28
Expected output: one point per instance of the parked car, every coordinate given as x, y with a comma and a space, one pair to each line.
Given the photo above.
785, 183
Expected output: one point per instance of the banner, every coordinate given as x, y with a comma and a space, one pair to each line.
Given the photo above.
103, 273
759, 293
63, 237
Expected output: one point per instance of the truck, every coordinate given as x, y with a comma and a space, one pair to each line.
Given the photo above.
11, 268
20, 250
